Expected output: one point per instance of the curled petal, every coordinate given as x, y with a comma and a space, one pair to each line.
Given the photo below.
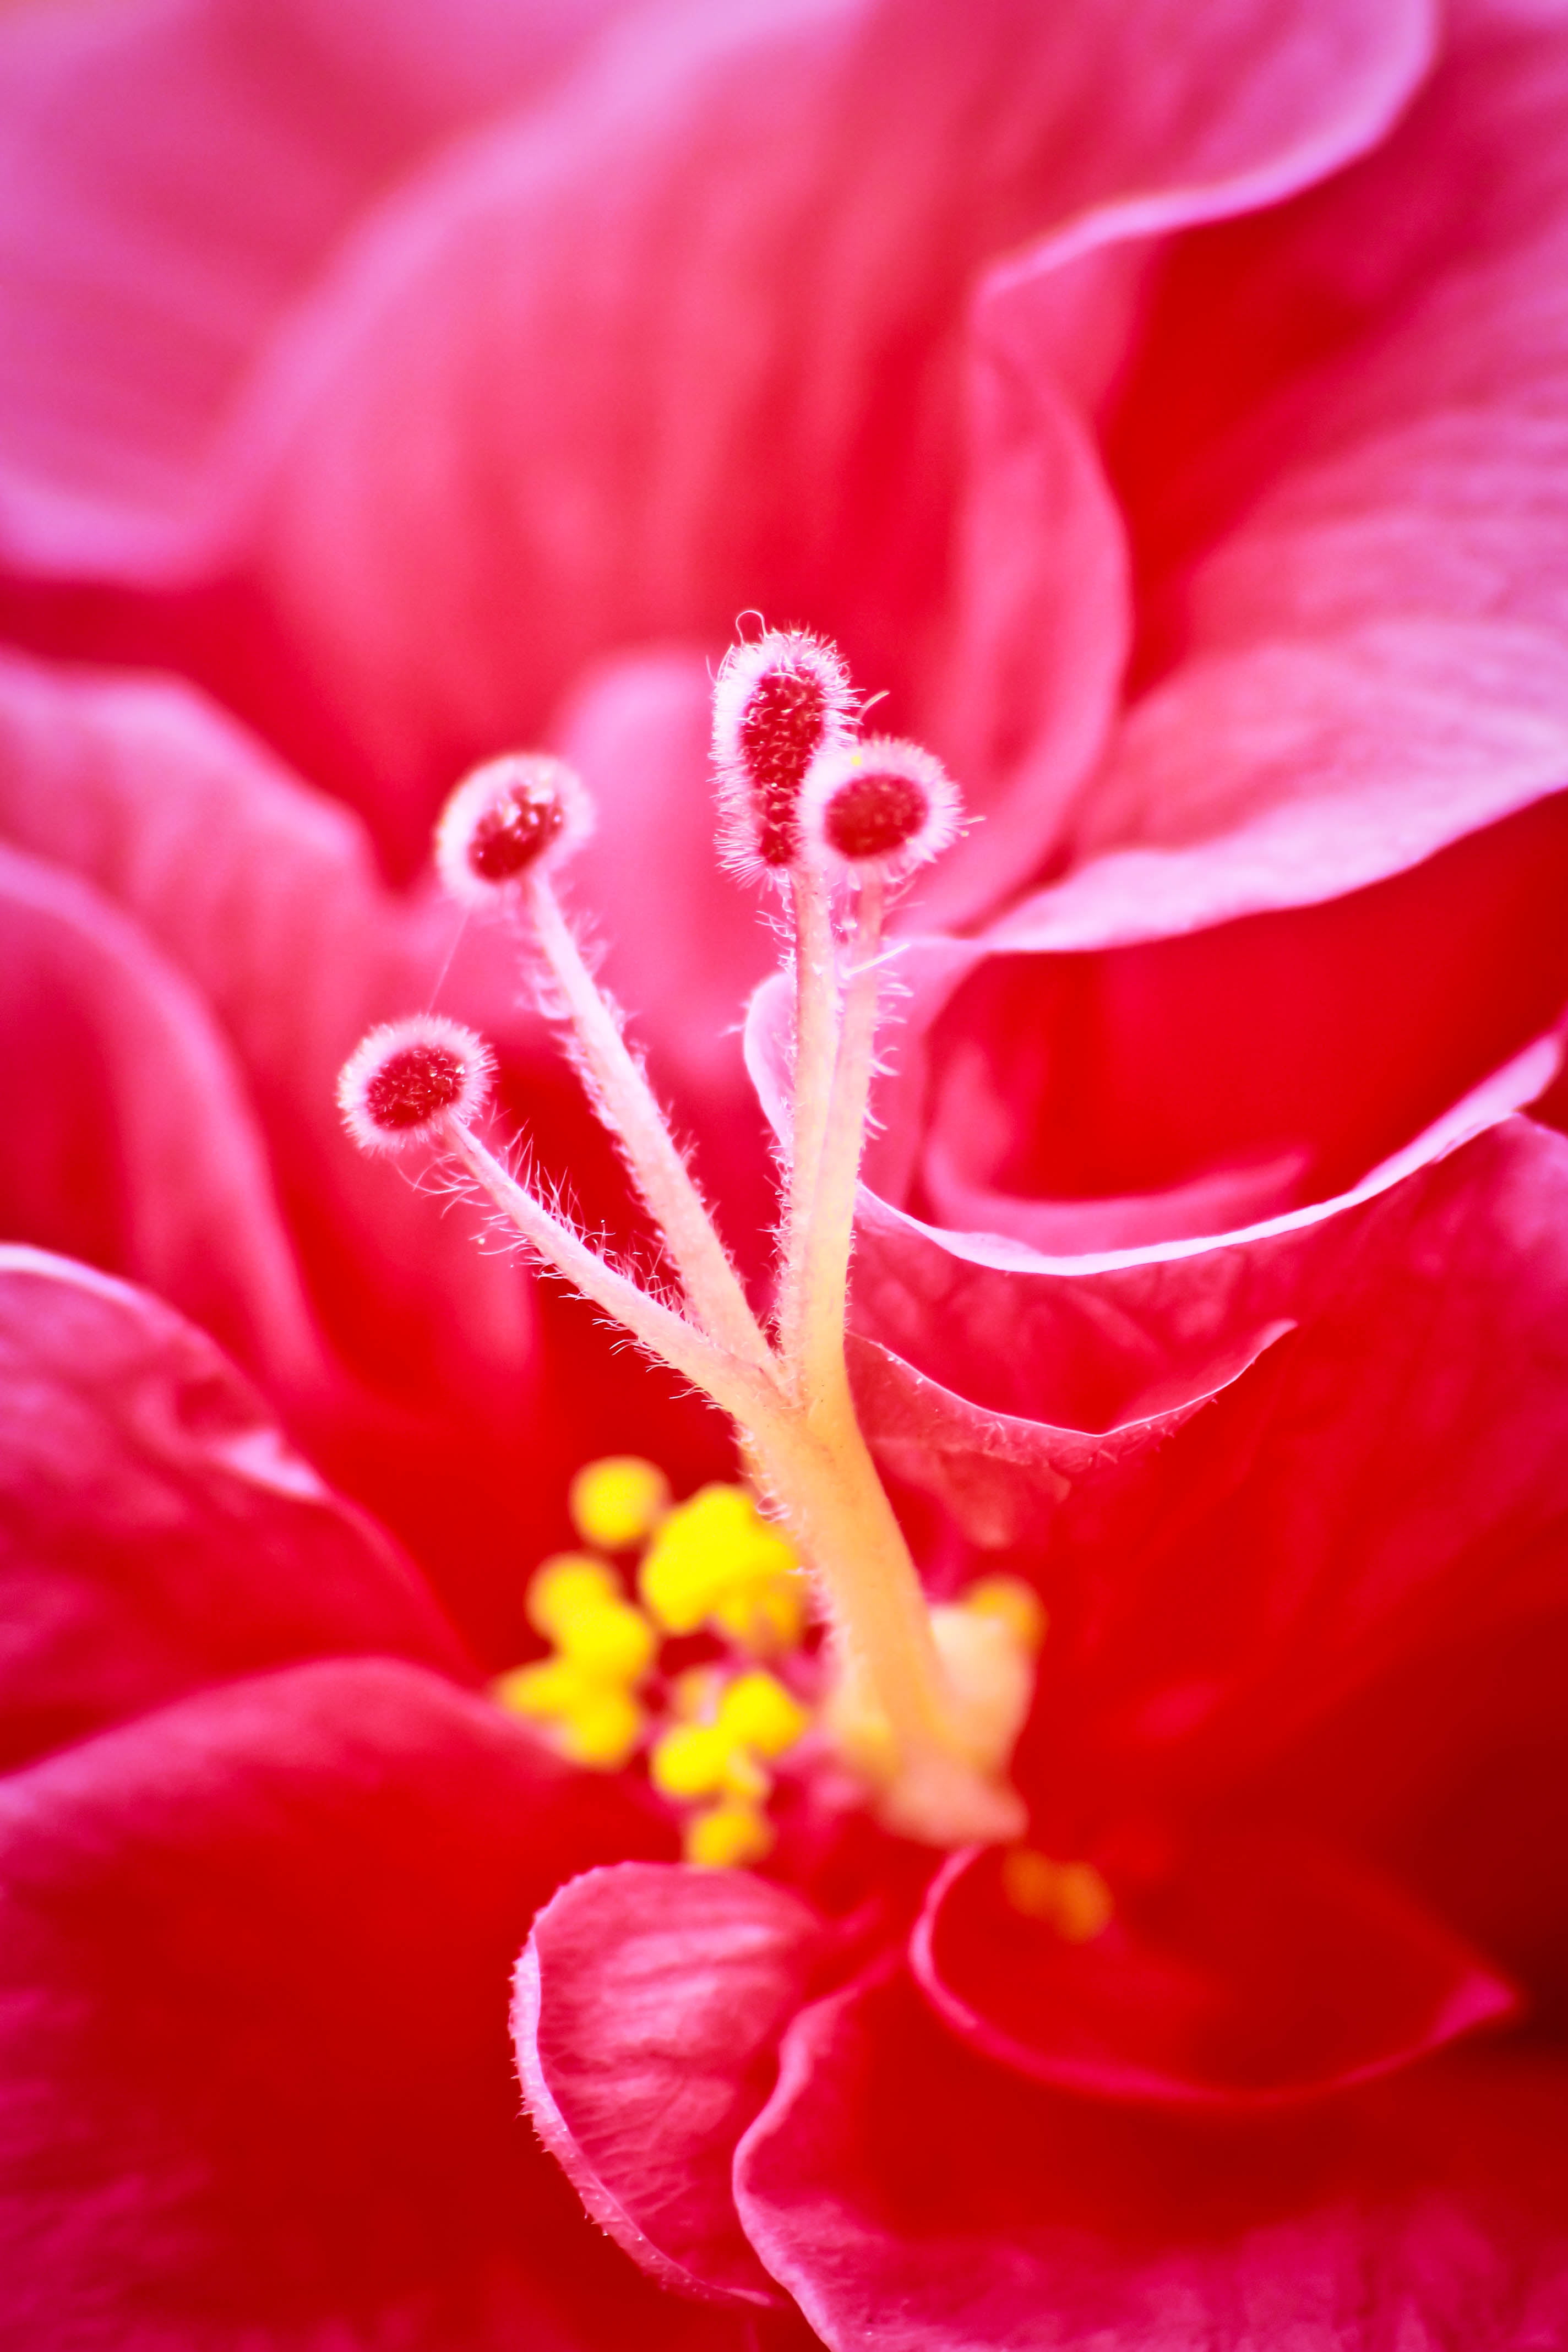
907, 2191
162, 1531
649, 2003
1248, 1972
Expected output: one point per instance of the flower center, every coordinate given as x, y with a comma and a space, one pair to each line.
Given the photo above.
655, 1581
924, 1704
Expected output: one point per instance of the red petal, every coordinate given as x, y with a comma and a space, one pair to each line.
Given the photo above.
162, 1532
173, 177
649, 2003
1385, 1478
256, 2079
264, 894
1253, 1971
1344, 470
750, 394
129, 1141
912, 2195
1001, 1474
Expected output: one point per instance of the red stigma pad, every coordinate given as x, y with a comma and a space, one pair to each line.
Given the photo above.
781, 729
509, 837
874, 815
414, 1086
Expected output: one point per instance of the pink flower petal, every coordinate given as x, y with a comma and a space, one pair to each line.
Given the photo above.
1339, 451
265, 894
915, 2197
1251, 1972
130, 1140
1001, 1474
702, 319
171, 178
161, 1531
256, 2079
649, 2003
1043, 604
1386, 1484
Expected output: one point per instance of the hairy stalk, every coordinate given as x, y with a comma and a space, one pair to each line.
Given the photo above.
734, 1387
630, 1110
816, 1028
832, 1228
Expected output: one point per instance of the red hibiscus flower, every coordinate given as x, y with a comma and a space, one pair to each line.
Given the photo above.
1168, 415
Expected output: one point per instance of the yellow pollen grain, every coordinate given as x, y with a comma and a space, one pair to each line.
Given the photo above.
715, 1559
617, 1501
727, 1836
765, 1616
1070, 1896
593, 1722
564, 1584
689, 1760
602, 1733
609, 1640
1017, 1604
551, 1689
757, 1712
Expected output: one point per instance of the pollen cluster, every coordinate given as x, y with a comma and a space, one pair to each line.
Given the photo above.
710, 1567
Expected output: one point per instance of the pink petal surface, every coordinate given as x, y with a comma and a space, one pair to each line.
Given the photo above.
130, 1139
1136, 1096
173, 172
264, 894
751, 392
649, 2006
1252, 1972
257, 902
1001, 1474
914, 2197
256, 2088
160, 1531
1387, 1479
1339, 448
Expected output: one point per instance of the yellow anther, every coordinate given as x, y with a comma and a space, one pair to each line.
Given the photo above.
609, 1640
689, 1760
765, 1615
602, 1732
757, 1712
728, 1836
564, 1584
1017, 1604
1071, 1895
546, 1691
594, 1723
617, 1501
716, 1557
696, 1553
